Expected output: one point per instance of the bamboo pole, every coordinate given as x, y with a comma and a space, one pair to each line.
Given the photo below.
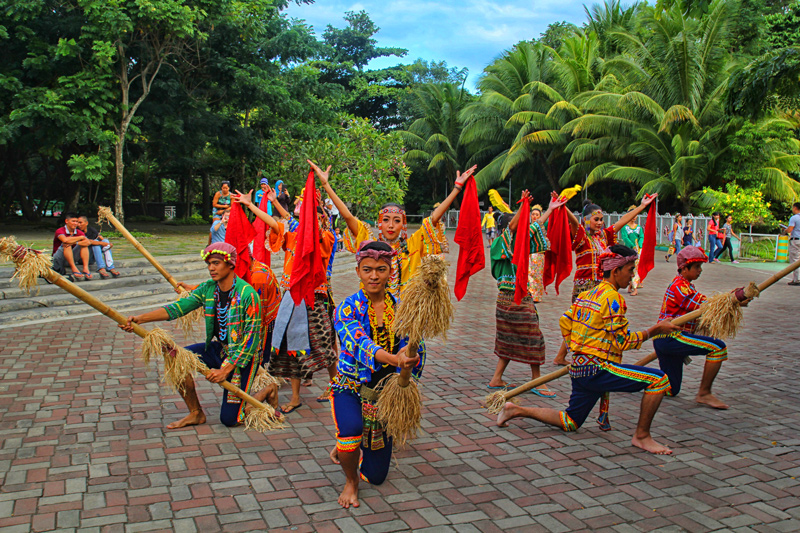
9, 249
495, 401
104, 213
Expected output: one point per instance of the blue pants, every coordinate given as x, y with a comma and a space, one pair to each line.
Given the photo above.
232, 408
97, 255
713, 245
673, 349
346, 411
612, 377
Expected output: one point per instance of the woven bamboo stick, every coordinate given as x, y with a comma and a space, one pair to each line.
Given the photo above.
494, 402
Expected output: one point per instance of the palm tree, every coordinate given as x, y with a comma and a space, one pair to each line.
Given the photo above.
432, 141
665, 133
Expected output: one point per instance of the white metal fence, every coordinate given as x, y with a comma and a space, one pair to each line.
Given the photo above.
761, 246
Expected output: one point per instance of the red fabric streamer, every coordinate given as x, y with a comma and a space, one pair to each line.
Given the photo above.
260, 253
471, 257
239, 235
558, 259
308, 270
647, 259
522, 251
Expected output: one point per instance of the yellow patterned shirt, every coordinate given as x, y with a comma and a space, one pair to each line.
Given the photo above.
596, 325
427, 240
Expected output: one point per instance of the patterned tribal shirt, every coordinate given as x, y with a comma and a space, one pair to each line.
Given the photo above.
502, 253
587, 251
596, 325
681, 298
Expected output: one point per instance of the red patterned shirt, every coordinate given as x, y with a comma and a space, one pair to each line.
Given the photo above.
681, 298
588, 249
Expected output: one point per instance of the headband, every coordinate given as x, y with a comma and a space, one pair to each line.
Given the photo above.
222, 249
391, 210
593, 213
609, 260
372, 253
689, 255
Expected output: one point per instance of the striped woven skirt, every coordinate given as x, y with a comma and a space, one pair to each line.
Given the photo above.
583, 285
518, 335
300, 364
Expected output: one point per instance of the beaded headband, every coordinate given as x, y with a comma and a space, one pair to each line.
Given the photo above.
223, 249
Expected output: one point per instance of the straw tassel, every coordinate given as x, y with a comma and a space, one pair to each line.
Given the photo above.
30, 265
425, 310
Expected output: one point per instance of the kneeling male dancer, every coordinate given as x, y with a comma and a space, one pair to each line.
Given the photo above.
596, 331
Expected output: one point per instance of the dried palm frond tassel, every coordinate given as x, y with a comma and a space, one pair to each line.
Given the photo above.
495, 401
155, 343
400, 409
104, 214
722, 315
189, 321
425, 308
264, 379
179, 363
264, 419
30, 264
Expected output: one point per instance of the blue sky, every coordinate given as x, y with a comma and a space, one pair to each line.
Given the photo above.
468, 33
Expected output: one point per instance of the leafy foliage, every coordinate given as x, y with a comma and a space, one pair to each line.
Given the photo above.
746, 205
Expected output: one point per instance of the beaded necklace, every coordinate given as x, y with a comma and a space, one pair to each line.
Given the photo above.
383, 337
222, 315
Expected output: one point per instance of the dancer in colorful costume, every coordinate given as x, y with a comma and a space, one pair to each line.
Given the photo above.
430, 239
317, 330
596, 330
233, 334
681, 298
632, 236
536, 272
519, 337
370, 352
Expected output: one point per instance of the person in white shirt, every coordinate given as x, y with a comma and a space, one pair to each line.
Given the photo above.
793, 231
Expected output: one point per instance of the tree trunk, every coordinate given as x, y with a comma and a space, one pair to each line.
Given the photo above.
22, 195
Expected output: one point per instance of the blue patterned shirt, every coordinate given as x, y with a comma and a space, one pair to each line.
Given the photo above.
357, 359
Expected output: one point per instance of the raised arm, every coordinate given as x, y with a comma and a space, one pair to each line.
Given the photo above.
245, 200
554, 204
627, 217
349, 218
515, 221
461, 179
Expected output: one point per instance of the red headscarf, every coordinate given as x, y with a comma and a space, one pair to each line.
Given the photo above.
522, 250
308, 270
471, 257
647, 256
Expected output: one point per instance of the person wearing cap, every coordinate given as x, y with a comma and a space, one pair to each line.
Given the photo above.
596, 330
233, 335
672, 349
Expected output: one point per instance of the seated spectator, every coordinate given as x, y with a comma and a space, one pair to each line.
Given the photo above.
219, 227
66, 247
100, 248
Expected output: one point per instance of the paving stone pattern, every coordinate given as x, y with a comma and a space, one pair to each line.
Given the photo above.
83, 445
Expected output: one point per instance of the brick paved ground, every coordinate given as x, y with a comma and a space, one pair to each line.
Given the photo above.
83, 445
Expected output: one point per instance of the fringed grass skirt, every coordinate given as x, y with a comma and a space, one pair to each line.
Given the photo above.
518, 335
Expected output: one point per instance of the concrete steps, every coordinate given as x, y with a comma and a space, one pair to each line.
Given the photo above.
139, 287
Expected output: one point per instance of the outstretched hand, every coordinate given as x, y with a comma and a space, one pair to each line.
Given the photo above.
242, 198
525, 194
649, 198
461, 179
555, 201
322, 175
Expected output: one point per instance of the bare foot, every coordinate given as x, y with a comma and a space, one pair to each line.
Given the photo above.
509, 411
500, 383
560, 361
335, 456
307, 383
649, 445
635, 292
194, 418
349, 496
711, 401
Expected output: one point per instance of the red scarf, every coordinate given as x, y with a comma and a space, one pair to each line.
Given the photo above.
558, 259
260, 252
471, 257
308, 270
239, 235
647, 257
522, 251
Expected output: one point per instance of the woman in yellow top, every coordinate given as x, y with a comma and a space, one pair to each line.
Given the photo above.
430, 239
489, 226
